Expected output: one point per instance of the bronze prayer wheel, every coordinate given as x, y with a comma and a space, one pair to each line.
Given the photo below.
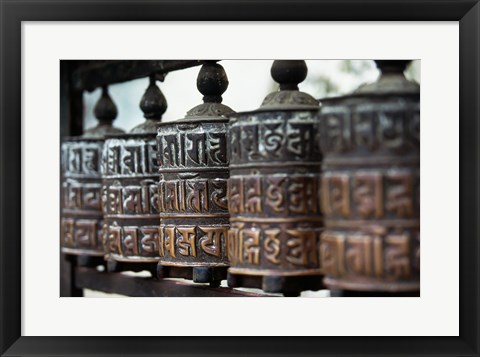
193, 186
371, 186
274, 188
130, 189
81, 213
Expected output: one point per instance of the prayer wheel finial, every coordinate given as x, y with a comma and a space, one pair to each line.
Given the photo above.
153, 102
212, 82
105, 110
289, 73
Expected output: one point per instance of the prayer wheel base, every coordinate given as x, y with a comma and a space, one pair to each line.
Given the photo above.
89, 261
83, 260
372, 287
287, 285
350, 293
114, 266
199, 274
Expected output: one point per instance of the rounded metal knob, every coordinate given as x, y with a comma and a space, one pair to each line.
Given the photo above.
153, 102
289, 73
212, 82
105, 110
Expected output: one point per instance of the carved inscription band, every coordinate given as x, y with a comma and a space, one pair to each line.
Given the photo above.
273, 137
354, 260
276, 195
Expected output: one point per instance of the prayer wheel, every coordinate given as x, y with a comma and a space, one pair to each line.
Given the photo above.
81, 212
370, 141
193, 170
274, 188
130, 190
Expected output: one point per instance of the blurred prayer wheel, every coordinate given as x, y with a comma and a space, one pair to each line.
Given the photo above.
130, 189
81, 213
371, 186
193, 186
273, 190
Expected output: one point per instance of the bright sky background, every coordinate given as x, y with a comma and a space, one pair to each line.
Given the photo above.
249, 80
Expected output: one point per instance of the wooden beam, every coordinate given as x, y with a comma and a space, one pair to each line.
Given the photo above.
119, 283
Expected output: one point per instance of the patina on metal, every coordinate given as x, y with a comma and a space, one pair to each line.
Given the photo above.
273, 190
130, 189
81, 213
371, 186
193, 186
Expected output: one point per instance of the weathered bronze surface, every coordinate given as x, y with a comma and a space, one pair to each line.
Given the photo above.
81, 214
193, 185
273, 190
371, 185
130, 187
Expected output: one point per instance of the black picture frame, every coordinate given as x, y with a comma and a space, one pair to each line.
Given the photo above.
13, 12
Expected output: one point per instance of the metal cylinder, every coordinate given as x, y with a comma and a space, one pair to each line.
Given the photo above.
130, 189
193, 186
81, 213
371, 185
273, 190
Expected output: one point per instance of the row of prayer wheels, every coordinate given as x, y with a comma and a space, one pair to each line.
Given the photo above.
296, 195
